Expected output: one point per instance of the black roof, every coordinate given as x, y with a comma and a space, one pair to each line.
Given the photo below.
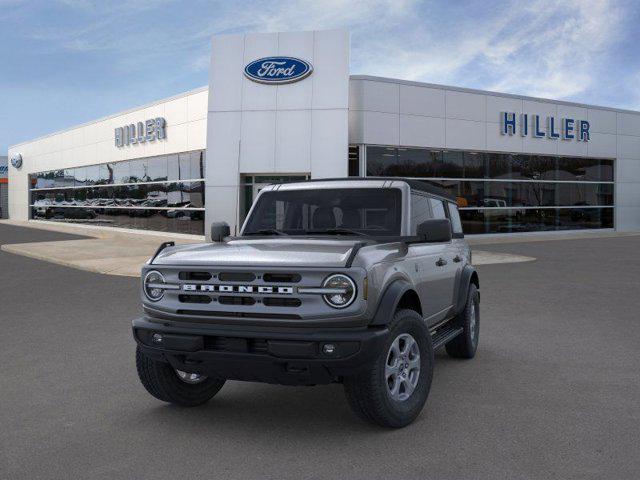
420, 185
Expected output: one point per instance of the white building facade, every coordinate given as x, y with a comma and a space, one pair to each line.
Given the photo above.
282, 107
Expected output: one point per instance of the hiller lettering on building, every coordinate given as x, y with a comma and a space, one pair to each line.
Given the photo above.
147, 131
525, 124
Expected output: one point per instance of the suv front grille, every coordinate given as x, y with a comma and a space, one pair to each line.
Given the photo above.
244, 292
281, 277
194, 298
282, 302
196, 276
236, 277
236, 300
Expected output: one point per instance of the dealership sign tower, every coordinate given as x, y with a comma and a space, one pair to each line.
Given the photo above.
278, 104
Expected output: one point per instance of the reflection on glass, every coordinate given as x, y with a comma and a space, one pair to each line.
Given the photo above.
197, 165
528, 194
120, 172
157, 169
173, 167
531, 219
452, 164
421, 162
138, 171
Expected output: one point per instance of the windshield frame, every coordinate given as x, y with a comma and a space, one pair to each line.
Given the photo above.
402, 206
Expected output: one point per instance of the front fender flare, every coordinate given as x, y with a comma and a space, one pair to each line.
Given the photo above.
389, 300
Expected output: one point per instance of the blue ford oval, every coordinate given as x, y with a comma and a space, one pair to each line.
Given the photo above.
278, 70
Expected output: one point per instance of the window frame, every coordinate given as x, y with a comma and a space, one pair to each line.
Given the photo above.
454, 234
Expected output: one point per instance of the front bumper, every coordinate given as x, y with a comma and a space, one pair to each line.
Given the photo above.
265, 355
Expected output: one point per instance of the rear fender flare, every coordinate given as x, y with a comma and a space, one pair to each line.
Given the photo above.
467, 277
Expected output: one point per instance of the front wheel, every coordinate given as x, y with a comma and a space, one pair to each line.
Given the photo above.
393, 389
174, 386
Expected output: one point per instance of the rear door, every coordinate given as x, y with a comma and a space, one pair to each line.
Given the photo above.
445, 266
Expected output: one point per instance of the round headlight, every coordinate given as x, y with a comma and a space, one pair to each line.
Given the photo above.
345, 291
151, 289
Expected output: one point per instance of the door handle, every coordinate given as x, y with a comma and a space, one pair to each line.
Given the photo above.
441, 262
457, 259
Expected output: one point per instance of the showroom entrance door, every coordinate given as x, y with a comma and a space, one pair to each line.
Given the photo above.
251, 185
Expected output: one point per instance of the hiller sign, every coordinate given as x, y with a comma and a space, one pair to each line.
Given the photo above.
147, 131
525, 124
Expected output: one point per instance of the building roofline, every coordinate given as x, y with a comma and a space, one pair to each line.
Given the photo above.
113, 115
488, 92
351, 77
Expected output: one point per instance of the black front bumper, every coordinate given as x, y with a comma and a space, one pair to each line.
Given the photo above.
297, 357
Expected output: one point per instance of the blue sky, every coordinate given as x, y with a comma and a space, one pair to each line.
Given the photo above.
70, 61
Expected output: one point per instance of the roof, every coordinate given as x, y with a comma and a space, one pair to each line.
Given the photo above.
419, 185
372, 78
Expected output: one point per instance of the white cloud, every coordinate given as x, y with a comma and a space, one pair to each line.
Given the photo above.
545, 49
540, 48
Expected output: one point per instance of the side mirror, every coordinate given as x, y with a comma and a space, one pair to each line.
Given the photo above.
435, 230
219, 230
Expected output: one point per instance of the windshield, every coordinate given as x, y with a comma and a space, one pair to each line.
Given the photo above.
357, 211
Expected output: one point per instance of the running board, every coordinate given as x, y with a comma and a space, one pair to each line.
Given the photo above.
444, 335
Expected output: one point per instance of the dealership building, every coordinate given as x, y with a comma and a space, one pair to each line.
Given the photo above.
282, 107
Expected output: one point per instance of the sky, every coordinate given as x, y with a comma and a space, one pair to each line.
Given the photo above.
66, 62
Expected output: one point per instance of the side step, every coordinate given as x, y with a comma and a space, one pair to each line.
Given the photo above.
444, 335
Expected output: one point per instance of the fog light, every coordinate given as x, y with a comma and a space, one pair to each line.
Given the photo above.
328, 348
157, 338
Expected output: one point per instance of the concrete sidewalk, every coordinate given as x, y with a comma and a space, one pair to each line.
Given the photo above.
110, 251
123, 252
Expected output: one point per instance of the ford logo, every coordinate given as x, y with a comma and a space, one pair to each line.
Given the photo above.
278, 70
16, 160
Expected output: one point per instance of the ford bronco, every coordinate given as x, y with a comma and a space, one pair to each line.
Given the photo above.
355, 281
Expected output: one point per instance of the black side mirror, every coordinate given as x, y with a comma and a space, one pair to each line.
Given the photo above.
435, 230
219, 230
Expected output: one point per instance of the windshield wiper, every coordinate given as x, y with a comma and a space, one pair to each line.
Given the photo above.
267, 231
338, 231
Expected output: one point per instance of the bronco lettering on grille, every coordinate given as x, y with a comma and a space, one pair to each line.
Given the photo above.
262, 289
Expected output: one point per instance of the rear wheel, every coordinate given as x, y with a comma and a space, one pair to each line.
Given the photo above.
466, 344
175, 386
393, 389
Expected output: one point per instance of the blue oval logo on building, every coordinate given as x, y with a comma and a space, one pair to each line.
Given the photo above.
278, 70
16, 160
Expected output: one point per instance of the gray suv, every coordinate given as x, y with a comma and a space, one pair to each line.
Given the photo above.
355, 281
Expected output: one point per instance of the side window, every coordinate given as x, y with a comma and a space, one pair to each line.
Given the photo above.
420, 211
454, 215
437, 207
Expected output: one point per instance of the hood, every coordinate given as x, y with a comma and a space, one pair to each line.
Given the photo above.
261, 252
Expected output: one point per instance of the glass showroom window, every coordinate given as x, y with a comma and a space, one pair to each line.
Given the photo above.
164, 193
504, 192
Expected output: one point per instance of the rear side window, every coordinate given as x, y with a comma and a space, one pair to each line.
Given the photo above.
454, 216
420, 211
437, 208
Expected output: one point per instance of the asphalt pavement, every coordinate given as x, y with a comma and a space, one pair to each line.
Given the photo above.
552, 393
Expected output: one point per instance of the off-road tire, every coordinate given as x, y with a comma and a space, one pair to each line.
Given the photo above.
161, 381
466, 344
367, 393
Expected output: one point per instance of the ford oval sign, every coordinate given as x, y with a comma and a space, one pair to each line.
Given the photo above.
16, 160
278, 70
